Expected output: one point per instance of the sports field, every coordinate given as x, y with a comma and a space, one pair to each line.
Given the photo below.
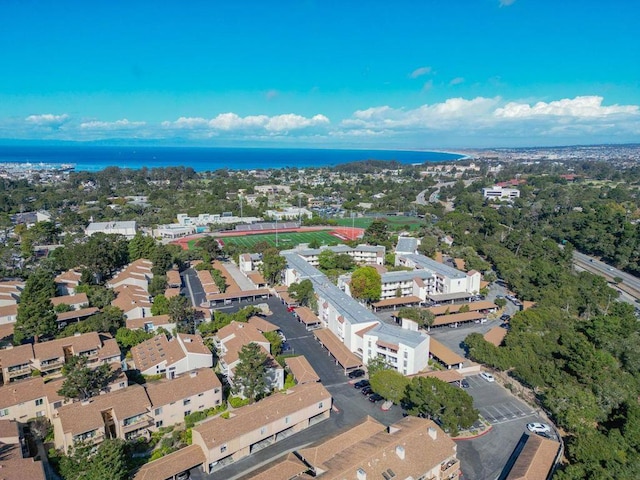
284, 239
364, 222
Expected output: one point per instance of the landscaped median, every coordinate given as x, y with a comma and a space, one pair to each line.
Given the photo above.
480, 428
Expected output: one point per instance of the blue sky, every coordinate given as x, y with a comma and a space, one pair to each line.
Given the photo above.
402, 74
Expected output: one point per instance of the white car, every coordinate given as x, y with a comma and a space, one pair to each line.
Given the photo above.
538, 428
488, 377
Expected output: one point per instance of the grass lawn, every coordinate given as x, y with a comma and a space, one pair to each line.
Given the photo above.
363, 222
285, 239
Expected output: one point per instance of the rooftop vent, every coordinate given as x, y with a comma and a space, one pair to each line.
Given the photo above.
361, 474
400, 452
433, 433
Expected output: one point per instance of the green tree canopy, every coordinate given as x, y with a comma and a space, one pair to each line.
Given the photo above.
273, 264
391, 384
82, 382
250, 379
36, 316
366, 284
303, 293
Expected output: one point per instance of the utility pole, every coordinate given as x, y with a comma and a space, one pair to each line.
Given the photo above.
240, 205
276, 230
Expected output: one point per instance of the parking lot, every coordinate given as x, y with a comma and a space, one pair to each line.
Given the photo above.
485, 457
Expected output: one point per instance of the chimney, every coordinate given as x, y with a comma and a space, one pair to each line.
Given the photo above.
361, 474
193, 374
77, 334
433, 433
400, 452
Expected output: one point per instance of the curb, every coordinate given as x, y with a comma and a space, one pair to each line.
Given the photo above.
473, 438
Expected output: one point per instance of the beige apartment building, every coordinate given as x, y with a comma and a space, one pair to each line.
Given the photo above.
411, 448
258, 425
181, 354
48, 358
13, 463
21, 401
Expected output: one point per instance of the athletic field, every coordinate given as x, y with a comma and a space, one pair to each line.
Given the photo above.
284, 239
364, 222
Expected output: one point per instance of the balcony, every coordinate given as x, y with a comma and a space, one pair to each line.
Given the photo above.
18, 371
89, 438
450, 468
143, 421
51, 364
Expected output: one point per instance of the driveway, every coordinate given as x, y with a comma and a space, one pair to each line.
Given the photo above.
193, 288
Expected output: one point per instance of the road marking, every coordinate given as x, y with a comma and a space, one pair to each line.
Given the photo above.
512, 419
298, 338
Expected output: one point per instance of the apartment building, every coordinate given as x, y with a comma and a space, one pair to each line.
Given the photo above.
121, 414
137, 273
446, 280
10, 291
263, 423
171, 357
361, 254
405, 350
76, 301
249, 262
21, 401
194, 391
48, 358
13, 461
67, 282
229, 342
350, 321
411, 448
134, 301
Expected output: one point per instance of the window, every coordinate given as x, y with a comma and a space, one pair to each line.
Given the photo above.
405, 363
159, 423
186, 401
200, 394
39, 401
40, 414
4, 412
320, 405
57, 405
286, 420
223, 448
158, 411
263, 430
406, 354
188, 412
121, 384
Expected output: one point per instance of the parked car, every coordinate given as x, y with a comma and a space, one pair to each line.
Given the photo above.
488, 377
361, 384
356, 373
464, 383
366, 391
291, 309
539, 428
183, 476
505, 317
374, 398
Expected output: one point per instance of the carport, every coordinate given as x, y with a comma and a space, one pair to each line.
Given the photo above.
396, 302
246, 295
307, 317
444, 355
171, 465
455, 318
450, 297
342, 355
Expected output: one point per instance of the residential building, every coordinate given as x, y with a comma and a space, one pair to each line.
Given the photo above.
500, 193
76, 301
249, 262
361, 254
445, 280
10, 292
134, 301
67, 282
13, 461
121, 414
194, 391
152, 324
23, 400
171, 357
536, 460
127, 228
349, 321
49, 357
272, 189
137, 273
255, 426
229, 342
407, 245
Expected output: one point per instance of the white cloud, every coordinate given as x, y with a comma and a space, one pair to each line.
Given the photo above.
506, 3
48, 120
456, 81
419, 72
123, 124
578, 107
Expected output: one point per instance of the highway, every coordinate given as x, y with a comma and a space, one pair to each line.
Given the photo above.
630, 283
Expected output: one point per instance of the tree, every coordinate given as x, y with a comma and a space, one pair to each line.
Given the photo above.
272, 266
107, 462
127, 338
376, 365
500, 302
421, 316
391, 384
452, 405
377, 233
82, 382
210, 245
366, 284
157, 285
36, 316
428, 246
303, 293
160, 305
98, 296
250, 378
141, 246
162, 260
275, 341
179, 309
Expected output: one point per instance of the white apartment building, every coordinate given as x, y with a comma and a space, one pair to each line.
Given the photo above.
361, 254
355, 325
500, 193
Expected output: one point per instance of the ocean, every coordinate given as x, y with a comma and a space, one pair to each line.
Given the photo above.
94, 158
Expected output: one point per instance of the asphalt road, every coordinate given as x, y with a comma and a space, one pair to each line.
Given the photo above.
606, 270
193, 288
350, 406
485, 457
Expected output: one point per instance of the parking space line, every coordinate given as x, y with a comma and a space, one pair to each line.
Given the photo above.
513, 419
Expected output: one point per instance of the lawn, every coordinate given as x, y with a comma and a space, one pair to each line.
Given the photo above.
285, 239
363, 222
